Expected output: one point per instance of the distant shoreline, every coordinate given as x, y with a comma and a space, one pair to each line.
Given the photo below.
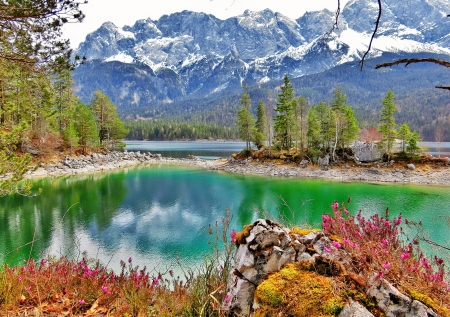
97, 163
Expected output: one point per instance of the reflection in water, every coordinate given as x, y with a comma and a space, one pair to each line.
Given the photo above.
156, 214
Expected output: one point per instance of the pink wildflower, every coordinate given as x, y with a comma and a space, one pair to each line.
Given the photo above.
233, 235
130, 260
81, 302
104, 289
405, 256
379, 275
386, 265
336, 244
346, 241
398, 221
385, 242
20, 278
227, 299
335, 206
327, 249
438, 260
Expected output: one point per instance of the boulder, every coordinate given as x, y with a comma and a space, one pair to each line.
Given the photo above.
367, 152
265, 247
355, 309
393, 303
323, 161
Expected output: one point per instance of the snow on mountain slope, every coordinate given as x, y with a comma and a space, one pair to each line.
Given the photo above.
196, 53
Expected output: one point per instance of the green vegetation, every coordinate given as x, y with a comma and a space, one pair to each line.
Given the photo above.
245, 120
170, 130
326, 129
81, 286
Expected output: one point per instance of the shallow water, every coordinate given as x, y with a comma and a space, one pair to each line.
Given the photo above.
155, 214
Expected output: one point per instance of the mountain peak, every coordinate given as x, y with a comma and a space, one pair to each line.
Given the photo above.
197, 53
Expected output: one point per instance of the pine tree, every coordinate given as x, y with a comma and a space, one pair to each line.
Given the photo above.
413, 147
261, 129
85, 127
404, 134
345, 123
285, 122
301, 122
65, 100
314, 133
351, 128
388, 126
245, 120
110, 128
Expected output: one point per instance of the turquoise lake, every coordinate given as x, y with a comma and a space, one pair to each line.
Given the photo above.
155, 214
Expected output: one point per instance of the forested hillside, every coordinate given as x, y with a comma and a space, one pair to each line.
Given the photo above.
419, 103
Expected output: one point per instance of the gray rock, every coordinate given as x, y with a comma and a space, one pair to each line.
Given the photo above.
239, 296
355, 309
374, 170
411, 166
304, 163
367, 152
394, 303
323, 161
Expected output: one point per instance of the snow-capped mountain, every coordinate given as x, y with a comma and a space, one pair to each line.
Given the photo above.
190, 53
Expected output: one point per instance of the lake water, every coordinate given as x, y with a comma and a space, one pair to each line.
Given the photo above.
156, 214
181, 149
217, 149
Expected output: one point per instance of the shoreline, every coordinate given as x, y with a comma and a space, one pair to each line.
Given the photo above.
97, 163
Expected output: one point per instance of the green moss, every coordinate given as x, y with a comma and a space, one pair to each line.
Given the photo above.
443, 311
296, 292
303, 232
269, 294
334, 306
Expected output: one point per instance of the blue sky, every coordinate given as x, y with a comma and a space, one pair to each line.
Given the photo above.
122, 12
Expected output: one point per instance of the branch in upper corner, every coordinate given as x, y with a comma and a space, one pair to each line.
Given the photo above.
335, 25
377, 23
408, 61
443, 87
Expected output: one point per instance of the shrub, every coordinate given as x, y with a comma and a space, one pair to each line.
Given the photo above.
376, 246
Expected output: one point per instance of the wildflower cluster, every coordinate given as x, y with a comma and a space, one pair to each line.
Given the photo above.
74, 287
375, 245
84, 287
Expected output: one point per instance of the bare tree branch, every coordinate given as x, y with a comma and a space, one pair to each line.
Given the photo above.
377, 23
408, 61
443, 87
335, 25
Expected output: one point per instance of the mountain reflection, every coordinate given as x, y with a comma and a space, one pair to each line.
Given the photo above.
156, 214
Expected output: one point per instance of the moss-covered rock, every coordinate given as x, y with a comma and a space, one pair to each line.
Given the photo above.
294, 291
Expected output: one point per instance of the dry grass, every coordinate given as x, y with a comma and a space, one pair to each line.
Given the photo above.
65, 287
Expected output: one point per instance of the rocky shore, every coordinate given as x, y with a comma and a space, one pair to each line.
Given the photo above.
390, 173
98, 162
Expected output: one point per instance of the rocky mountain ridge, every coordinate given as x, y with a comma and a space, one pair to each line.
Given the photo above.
191, 53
